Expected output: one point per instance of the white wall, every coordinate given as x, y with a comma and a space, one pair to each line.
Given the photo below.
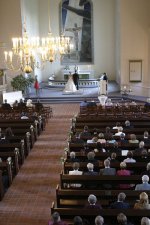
135, 19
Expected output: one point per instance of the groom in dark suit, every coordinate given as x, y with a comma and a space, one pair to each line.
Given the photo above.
76, 78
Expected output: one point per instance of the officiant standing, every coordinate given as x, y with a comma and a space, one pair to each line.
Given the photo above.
76, 78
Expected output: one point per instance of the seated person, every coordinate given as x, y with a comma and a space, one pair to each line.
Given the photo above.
6, 105
101, 138
120, 203
115, 147
8, 132
3, 139
56, 220
109, 102
144, 156
120, 131
85, 134
133, 139
118, 125
24, 116
72, 157
145, 186
15, 104
38, 105
91, 158
113, 157
92, 103
92, 203
122, 139
77, 220
21, 104
122, 219
91, 171
129, 158
84, 103
99, 148
77, 139
146, 137
99, 220
29, 103
75, 171
107, 170
123, 172
127, 125
143, 203
93, 140
140, 148
145, 221
108, 135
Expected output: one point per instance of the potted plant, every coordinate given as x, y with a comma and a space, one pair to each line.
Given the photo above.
21, 83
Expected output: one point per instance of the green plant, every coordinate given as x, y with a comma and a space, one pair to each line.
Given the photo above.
21, 83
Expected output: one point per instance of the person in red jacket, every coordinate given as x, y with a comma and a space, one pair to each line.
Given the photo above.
36, 85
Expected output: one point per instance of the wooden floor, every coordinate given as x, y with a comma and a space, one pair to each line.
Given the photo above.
28, 200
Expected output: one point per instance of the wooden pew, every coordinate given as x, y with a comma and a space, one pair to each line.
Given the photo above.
67, 214
136, 168
66, 198
86, 180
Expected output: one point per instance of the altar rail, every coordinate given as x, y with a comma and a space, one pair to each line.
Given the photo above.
82, 83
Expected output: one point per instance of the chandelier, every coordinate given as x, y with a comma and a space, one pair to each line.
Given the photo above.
25, 50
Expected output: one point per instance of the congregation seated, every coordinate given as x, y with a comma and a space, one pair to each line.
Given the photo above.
15, 104
3, 139
77, 220
29, 103
90, 171
38, 105
122, 219
143, 203
122, 139
145, 186
113, 158
56, 220
147, 172
117, 126
21, 104
92, 203
133, 139
120, 203
123, 172
91, 103
129, 158
109, 102
107, 170
108, 135
24, 116
93, 140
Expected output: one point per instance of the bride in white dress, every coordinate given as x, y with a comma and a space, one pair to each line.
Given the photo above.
70, 86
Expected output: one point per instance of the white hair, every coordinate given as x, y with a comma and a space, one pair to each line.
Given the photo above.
145, 178
99, 220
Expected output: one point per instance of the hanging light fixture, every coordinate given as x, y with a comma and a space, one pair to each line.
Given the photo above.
23, 54
25, 50
52, 47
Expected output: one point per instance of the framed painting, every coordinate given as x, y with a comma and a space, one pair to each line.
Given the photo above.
76, 22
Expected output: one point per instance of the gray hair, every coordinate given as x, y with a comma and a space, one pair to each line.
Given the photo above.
90, 166
92, 199
145, 221
141, 144
99, 220
106, 162
72, 154
145, 178
121, 218
121, 196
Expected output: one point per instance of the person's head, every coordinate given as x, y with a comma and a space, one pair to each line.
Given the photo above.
148, 166
90, 155
94, 139
121, 218
8, 132
107, 129
144, 198
146, 134
123, 165
132, 137
122, 136
76, 166
127, 123
90, 166
86, 128
113, 155
144, 153
145, 179
121, 196
101, 135
130, 154
106, 163
99, 220
77, 220
72, 155
145, 221
92, 199
120, 129
55, 217
141, 144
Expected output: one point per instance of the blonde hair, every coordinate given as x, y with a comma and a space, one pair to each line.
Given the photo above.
144, 198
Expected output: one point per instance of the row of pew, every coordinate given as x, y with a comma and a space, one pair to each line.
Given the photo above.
16, 148
70, 201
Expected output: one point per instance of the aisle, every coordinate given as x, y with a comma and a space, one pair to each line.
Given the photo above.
28, 200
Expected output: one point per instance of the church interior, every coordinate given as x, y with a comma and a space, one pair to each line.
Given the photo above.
79, 67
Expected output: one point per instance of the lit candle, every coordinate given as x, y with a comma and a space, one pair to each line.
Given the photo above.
6, 54
10, 56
